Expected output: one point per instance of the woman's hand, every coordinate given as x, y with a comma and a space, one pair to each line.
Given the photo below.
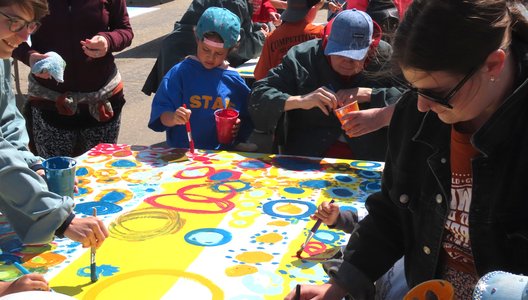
95, 47
327, 212
322, 98
327, 291
358, 123
33, 58
360, 95
90, 231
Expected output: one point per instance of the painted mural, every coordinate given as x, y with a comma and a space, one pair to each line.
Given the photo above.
217, 225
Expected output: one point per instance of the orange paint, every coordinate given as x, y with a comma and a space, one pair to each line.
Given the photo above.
270, 238
254, 257
289, 208
47, 259
240, 270
279, 223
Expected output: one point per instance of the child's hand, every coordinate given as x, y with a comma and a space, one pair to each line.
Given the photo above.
236, 127
29, 282
264, 28
179, 117
275, 18
327, 212
334, 7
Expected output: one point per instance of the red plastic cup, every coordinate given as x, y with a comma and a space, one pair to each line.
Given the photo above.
225, 120
342, 111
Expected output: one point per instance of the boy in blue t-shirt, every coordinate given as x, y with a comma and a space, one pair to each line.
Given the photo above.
204, 83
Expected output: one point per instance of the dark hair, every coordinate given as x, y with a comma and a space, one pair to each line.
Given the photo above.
38, 7
455, 35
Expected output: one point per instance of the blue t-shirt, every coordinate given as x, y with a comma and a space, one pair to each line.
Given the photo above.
203, 91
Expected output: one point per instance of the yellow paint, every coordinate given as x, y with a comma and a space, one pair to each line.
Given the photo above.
270, 238
253, 257
280, 223
289, 208
137, 285
144, 224
240, 270
149, 267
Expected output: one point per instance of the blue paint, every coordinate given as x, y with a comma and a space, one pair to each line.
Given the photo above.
326, 236
294, 190
82, 191
364, 165
102, 270
268, 208
252, 164
259, 284
60, 175
370, 186
10, 243
208, 237
124, 163
218, 187
369, 174
113, 197
82, 171
315, 184
345, 179
222, 175
103, 208
351, 208
340, 192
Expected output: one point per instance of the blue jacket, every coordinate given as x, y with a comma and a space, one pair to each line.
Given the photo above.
32, 211
407, 217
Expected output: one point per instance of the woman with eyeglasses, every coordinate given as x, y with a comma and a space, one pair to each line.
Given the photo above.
35, 214
70, 117
453, 198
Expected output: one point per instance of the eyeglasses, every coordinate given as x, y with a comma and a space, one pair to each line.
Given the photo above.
435, 97
17, 24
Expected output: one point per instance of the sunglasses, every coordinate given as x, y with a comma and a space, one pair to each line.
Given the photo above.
435, 97
17, 24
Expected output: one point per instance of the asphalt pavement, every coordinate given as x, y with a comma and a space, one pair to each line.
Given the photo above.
150, 24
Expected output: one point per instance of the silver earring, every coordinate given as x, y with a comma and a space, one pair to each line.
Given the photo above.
492, 78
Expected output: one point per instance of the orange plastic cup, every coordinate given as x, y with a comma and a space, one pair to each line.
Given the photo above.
432, 289
342, 111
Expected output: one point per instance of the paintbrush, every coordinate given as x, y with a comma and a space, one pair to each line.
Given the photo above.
11, 259
189, 134
93, 265
311, 233
297, 295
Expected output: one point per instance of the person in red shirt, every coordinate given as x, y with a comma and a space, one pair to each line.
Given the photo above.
265, 12
297, 27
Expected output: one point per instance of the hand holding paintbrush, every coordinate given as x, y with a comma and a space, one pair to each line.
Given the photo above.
93, 265
321, 214
189, 133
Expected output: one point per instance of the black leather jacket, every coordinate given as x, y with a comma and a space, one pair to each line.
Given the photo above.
407, 217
